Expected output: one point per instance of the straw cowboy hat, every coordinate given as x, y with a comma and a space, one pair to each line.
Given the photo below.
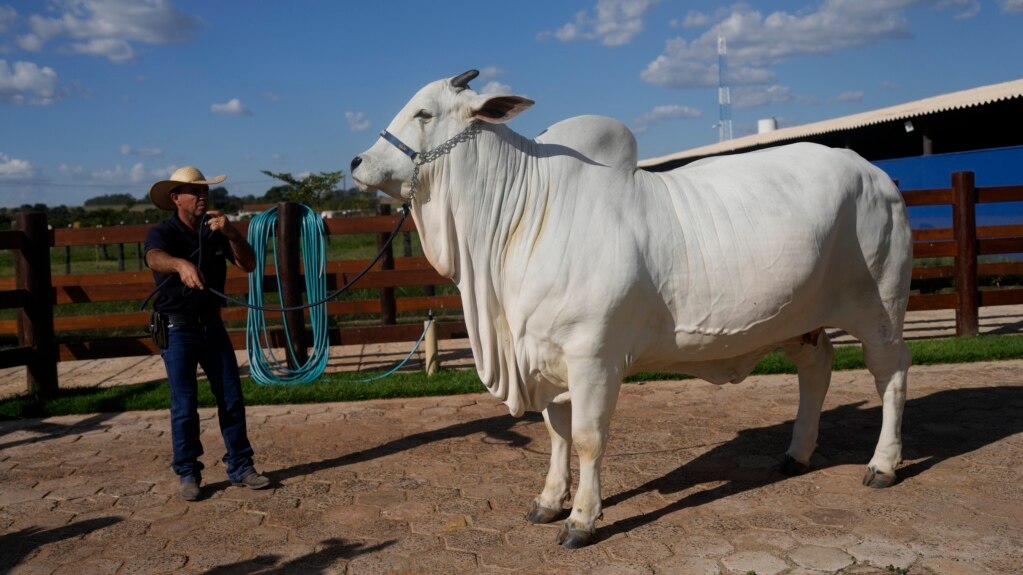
186, 176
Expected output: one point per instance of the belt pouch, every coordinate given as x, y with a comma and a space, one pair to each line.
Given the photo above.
158, 329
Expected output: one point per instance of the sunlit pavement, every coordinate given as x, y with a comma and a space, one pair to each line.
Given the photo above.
442, 485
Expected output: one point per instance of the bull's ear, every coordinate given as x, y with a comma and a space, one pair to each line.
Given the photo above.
499, 109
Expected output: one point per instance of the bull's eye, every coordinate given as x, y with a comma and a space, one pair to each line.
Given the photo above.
423, 115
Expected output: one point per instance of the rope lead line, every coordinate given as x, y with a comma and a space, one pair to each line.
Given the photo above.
264, 366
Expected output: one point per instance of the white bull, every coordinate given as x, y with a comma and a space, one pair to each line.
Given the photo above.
576, 269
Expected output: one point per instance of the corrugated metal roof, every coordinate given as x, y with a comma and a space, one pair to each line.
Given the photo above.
955, 100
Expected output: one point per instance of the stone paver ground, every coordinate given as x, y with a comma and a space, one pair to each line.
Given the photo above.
441, 485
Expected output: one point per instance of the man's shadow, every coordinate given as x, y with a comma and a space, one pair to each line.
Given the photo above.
17, 545
936, 427
322, 561
48, 430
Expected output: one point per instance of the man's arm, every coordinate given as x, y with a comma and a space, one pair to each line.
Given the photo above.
160, 261
244, 256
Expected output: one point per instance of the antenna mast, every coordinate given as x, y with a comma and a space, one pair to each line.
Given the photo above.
724, 97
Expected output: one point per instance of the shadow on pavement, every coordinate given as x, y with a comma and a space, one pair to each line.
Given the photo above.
50, 430
936, 427
498, 428
20, 544
321, 561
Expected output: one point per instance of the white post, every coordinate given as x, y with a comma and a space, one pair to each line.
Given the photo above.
432, 360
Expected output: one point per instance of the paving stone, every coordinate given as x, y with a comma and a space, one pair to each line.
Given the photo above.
883, 553
471, 540
946, 566
761, 562
146, 565
92, 566
688, 565
820, 558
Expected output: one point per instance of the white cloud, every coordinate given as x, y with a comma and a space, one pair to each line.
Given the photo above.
357, 121
613, 22
852, 96
495, 87
757, 41
27, 83
136, 174
127, 150
1012, 6
965, 9
8, 16
693, 19
755, 96
30, 43
108, 27
15, 169
661, 114
114, 50
71, 170
232, 107
489, 73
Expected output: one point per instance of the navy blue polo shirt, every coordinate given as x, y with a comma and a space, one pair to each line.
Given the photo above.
178, 240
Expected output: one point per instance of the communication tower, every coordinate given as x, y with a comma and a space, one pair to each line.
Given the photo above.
724, 97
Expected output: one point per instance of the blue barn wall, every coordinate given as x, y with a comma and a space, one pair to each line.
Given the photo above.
992, 167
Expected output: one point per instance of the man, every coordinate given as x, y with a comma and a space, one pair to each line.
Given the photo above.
188, 253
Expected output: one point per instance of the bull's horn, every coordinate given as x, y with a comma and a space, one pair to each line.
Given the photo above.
462, 80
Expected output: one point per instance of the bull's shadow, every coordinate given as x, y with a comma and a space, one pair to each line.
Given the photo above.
499, 428
936, 427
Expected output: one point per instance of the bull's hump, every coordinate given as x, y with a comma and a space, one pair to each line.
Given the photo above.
600, 139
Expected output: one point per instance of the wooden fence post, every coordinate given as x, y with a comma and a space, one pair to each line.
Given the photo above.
388, 307
35, 320
964, 226
431, 357
289, 249
406, 244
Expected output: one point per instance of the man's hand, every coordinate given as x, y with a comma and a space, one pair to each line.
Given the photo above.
160, 261
244, 257
189, 275
218, 222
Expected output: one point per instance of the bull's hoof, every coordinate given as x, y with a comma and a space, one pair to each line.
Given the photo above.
540, 514
878, 479
573, 538
792, 468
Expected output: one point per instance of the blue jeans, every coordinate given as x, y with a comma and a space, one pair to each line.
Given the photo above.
209, 346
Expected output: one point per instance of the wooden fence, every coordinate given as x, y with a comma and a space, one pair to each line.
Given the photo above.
40, 347
965, 242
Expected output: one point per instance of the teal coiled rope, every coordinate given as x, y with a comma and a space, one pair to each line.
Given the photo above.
264, 365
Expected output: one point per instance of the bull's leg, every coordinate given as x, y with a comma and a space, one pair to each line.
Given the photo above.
556, 490
813, 364
888, 363
594, 392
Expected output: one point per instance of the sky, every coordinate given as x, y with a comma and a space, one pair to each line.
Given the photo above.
109, 96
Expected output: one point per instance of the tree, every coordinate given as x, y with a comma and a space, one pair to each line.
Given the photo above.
313, 188
110, 200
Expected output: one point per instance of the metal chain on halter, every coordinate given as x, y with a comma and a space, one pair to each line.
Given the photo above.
470, 132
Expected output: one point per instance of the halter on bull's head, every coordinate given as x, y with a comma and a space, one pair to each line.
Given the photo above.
437, 118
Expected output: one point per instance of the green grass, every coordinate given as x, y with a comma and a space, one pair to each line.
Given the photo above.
346, 386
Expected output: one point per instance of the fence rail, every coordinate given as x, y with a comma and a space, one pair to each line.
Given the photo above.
34, 292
